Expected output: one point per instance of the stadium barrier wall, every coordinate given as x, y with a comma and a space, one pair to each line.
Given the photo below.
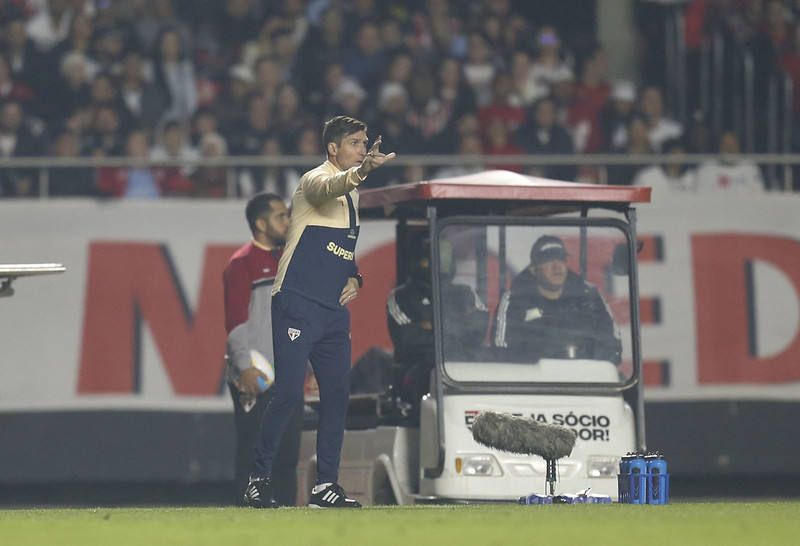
112, 371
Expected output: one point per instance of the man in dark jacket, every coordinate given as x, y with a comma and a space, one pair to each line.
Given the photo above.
409, 314
542, 134
550, 312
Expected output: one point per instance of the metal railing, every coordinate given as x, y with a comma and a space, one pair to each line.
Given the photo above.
780, 165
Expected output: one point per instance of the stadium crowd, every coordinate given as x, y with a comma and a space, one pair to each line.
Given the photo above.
182, 79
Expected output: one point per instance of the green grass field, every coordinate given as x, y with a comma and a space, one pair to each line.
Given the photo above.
709, 524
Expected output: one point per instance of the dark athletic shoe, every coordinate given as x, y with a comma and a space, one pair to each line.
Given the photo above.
332, 496
259, 494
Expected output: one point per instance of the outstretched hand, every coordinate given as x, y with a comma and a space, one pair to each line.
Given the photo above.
375, 158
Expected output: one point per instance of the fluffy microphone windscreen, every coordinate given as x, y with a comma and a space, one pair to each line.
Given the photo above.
522, 435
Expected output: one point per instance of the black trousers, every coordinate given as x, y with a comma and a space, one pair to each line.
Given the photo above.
248, 423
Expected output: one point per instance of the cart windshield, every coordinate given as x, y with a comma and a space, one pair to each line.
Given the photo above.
535, 303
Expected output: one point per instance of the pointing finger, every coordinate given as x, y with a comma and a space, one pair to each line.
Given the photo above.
375, 149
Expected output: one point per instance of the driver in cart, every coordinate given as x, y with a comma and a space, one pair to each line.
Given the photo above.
550, 312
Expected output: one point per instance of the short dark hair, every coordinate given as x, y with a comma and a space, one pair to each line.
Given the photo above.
258, 205
337, 128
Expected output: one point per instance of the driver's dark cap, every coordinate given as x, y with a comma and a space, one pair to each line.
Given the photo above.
546, 248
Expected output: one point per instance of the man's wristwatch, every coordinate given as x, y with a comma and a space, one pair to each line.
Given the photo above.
360, 279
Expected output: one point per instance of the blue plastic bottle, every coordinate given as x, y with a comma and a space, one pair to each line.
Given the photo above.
657, 480
624, 479
638, 487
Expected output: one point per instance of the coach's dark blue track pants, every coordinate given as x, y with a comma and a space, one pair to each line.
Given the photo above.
305, 331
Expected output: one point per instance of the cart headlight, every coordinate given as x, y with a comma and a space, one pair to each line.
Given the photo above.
478, 465
602, 467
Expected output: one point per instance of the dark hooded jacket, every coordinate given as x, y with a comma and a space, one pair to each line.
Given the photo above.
576, 325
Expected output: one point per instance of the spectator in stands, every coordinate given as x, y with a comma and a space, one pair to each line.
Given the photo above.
615, 116
637, 142
507, 33
322, 46
435, 30
105, 135
500, 9
669, 177
308, 143
348, 98
69, 90
549, 64
592, 68
11, 90
469, 145
104, 91
424, 107
466, 124
290, 115
230, 107
479, 67
17, 139
151, 18
543, 135
108, 50
500, 106
455, 98
175, 145
320, 100
292, 17
730, 172
204, 121
578, 116
50, 24
281, 181
27, 64
144, 103
499, 142
401, 66
267, 78
365, 59
393, 37
360, 12
79, 40
234, 23
140, 182
526, 91
80, 123
211, 180
70, 181
698, 137
777, 25
259, 125
175, 76
397, 133
659, 126
285, 52
262, 44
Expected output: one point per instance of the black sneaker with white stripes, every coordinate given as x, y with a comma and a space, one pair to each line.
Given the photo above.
333, 496
259, 494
